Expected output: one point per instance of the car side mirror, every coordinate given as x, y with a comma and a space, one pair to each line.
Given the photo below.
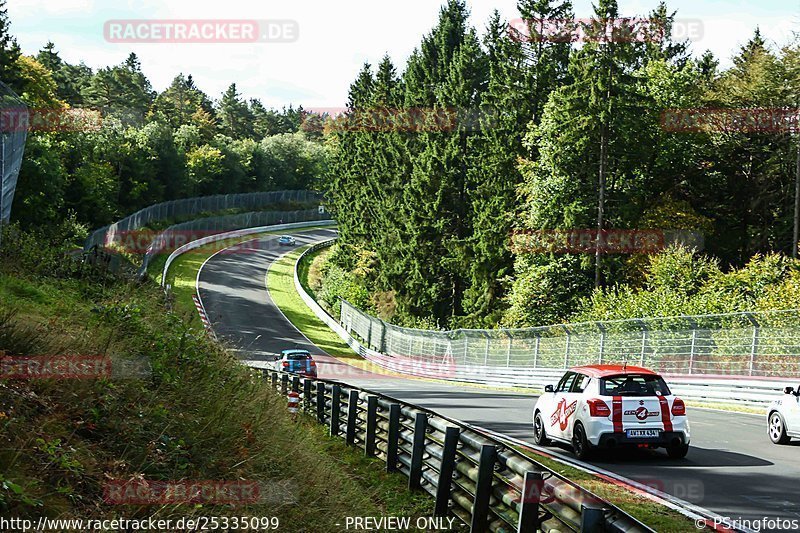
549, 388
788, 390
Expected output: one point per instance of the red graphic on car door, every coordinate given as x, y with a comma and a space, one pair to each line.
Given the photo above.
562, 413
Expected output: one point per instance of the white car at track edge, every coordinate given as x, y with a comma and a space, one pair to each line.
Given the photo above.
611, 406
783, 417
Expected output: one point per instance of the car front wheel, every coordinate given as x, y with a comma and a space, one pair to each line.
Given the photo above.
539, 434
777, 429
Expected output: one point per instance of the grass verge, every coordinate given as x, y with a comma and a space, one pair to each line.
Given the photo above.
190, 413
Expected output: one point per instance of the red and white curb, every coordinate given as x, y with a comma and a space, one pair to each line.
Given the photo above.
201, 310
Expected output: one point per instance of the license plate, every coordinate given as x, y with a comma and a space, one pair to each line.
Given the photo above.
643, 433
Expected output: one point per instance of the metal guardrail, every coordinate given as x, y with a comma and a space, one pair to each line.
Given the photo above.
485, 483
741, 391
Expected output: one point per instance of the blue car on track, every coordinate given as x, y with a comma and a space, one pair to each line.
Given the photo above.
297, 361
286, 240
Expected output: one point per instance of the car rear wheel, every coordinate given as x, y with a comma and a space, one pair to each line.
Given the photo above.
580, 444
539, 434
678, 452
777, 429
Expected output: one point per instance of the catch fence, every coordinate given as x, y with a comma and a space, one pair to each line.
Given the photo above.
763, 344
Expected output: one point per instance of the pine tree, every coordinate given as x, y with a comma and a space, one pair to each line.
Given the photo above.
236, 120
9, 52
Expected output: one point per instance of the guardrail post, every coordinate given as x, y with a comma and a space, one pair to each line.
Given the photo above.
566, 349
444, 486
417, 451
532, 488
691, 349
486, 350
274, 380
592, 519
392, 439
321, 402
335, 408
296, 383
372, 426
536, 350
284, 383
352, 417
307, 383
483, 489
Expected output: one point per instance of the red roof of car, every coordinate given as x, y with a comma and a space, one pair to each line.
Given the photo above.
602, 371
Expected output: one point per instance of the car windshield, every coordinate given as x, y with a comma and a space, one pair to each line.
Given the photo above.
634, 385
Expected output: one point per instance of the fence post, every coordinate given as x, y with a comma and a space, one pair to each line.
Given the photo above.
692, 347
382, 347
508, 350
352, 417
393, 436
284, 383
566, 350
321, 402
483, 489
296, 383
602, 341
644, 341
372, 425
444, 486
417, 451
335, 407
532, 488
753, 343
486, 349
274, 380
536, 350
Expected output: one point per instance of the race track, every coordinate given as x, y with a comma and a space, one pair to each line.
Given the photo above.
732, 467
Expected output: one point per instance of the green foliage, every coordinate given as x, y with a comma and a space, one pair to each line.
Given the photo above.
148, 147
338, 283
681, 282
436, 207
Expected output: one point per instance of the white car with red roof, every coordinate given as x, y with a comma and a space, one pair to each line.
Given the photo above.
611, 406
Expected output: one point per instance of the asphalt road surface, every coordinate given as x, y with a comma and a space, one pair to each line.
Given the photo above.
732, 468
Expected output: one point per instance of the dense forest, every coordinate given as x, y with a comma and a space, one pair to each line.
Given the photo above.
436, 165
144, 146
539, 127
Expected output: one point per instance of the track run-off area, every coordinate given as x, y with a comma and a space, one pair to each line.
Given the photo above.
732, 468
